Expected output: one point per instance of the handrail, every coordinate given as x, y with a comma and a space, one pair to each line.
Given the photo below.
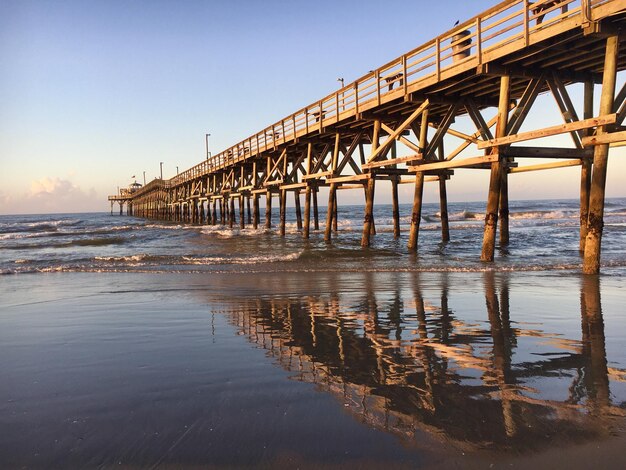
467, 44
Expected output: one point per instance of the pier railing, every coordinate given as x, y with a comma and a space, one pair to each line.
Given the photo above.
508, 26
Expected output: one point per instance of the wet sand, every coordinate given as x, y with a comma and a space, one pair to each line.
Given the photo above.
310, 370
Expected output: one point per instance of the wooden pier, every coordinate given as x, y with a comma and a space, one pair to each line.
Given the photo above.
390, 125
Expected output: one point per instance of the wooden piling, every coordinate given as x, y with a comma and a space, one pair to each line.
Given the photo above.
443, 210
504, 207
335, 207
283, 211
307, 212
329, 212
268, 209
495, 181
395, 209
214, 213
595, 220
255, 211
242, 215
296, 195
249, 209
585, 170
416, 212
418, 192
369, 210
231, 218
369, 188
316, 217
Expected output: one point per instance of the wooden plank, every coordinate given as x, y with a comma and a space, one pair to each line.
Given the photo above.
392, 161
547, 152
549, 131
273, 183
348, 179
546, 166
293, 186
321, 174
429, 165
426, 179
609, 138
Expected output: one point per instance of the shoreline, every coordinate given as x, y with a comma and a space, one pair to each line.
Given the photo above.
244, 343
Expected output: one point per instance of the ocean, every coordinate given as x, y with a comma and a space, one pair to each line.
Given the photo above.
544, 236
134, 343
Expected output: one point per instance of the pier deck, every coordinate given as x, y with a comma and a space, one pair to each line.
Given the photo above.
390, 124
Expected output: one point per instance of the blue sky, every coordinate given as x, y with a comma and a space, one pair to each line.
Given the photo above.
93, 92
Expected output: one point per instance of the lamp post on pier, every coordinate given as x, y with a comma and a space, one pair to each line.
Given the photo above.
208, 154
144, 178
161, 165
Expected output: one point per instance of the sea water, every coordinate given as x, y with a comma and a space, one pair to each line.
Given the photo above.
141, 344
544, 236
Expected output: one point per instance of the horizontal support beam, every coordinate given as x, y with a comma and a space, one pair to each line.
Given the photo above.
348, 179
549, 131
350, 186
392, 161
546, 152
273, 183
294, 186
497, 70
608, 138
321, 174
260, 191
427, 179
546, 166
455, 163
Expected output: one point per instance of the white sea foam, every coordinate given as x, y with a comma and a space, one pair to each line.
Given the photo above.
211, 260
132, 258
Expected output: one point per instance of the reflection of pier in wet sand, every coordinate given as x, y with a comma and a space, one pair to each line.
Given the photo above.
402, 361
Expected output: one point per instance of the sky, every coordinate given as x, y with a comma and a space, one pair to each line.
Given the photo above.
95, 92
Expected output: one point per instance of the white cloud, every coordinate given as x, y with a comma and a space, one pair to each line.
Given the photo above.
50, 195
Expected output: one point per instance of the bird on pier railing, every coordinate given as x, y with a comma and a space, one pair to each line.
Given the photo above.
456, 22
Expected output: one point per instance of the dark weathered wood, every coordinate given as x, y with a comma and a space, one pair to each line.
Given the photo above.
242, 215
283, 211
232, 217
504, 209
329, 212
335, 209
296, 195
585, 171
443, 210
316, 218
256, 216
595, 220
395, 208
418, 192
268, 210
307, 213
495, 181
369, 212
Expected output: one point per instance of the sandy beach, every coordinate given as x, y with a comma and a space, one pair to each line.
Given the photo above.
309, 370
